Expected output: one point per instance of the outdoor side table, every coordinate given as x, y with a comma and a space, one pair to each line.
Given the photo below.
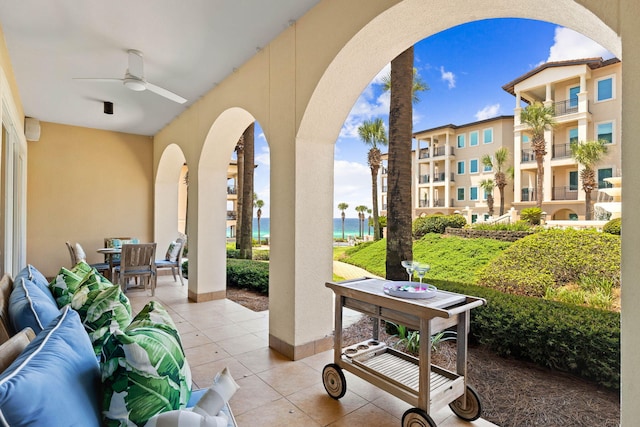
416, 381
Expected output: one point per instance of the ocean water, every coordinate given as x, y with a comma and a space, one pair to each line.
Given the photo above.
350, 228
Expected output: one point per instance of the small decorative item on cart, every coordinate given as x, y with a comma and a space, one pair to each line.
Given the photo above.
410, 290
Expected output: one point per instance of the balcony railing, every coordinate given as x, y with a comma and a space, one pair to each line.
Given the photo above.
232, 190
423, 179
384, 171
527, 156
384, 207
560, 151
384, 188
231, 215
423, 203
439, 177
528, 195
424, 153
569, 106
441, 151
565, 193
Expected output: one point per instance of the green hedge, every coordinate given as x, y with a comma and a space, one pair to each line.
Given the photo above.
553, 258
613, 227
248, 274
436, 224
579, 340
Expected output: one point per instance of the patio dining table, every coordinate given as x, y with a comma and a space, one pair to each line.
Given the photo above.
109, 253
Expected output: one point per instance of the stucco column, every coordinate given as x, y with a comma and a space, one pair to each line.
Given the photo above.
547, 184
447, 172
300, 306
517, 177
630, 315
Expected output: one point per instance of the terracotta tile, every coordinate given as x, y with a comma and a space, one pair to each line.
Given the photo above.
291, 377
203, 375
280, 413
194, 338
223, 332
204, 354
253, 393
367, 416
316, 403
262, 359
242, 344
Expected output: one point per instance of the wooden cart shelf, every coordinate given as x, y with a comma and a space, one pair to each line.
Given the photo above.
413, 379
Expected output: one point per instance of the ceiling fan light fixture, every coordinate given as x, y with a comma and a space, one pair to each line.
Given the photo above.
134, 84
108, 107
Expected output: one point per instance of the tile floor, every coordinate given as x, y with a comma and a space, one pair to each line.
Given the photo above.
274, 391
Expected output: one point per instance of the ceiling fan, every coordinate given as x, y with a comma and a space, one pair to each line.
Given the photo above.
134, 78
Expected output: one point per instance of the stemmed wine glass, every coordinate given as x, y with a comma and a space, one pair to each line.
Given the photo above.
410, 267
422, 269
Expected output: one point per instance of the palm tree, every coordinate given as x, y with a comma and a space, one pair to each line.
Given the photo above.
399, 238
342, 206
259, 204
488, 185
374, 134
497, 163
369, 222
246, 214
419, 85
587, 154
361, 209
540, 119
239, 176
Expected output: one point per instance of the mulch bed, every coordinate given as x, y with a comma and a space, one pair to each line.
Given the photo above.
513, 393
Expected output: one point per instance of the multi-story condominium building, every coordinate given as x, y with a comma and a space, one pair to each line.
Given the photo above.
447, 168
586, 97
232, 198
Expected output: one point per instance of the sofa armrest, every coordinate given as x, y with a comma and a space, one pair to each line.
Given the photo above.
12, 348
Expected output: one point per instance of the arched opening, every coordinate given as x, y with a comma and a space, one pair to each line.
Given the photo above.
565, 214
170, 197
212, 192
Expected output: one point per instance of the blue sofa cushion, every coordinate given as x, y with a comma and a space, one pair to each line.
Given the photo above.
29, 306
55, 381
32, 273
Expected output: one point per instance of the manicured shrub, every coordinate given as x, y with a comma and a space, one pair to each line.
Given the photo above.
580, 340
613, 227
516, 226
248, 274
531, 215
553, 258
260, 255
436, 224
233, 253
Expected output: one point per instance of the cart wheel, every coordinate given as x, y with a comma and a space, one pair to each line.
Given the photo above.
416, 417
473, 405
334, 381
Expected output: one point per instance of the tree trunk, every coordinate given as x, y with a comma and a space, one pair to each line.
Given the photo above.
246, 224
539, 184
399, 238
587, 205
342, 225
374, 200
239, 178
501, 190
259, 214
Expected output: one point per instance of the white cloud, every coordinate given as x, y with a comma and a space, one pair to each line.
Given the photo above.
569, 44
366, 107
378, 79
262, 157
488, 111
352, 185
449, 77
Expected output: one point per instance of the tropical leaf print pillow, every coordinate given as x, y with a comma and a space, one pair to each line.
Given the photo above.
103, 308
144, 369
67, 282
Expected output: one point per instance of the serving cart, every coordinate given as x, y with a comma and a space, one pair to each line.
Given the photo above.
425, 386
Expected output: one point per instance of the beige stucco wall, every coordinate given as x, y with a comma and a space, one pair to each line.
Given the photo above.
85, 185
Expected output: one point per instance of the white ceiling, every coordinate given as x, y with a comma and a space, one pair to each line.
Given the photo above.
188, 45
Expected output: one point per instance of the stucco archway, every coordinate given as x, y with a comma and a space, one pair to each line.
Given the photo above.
166, 200
211, 188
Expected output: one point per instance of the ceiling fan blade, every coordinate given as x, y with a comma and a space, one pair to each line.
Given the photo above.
167, 94
136, 65
98, 79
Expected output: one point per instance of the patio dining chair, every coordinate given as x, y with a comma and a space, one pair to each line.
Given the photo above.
173, 259
137, 261
77, 254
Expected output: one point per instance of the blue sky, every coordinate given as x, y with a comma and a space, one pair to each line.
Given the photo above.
465, 68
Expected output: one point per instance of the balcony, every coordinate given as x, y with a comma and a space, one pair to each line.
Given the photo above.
384, 188
560, 151
562, 108
232, 215
232, 190
439, 177
384, 171
441, 151
527, 156
423, 179
528, 194
565, 193
424, 153
423, 203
